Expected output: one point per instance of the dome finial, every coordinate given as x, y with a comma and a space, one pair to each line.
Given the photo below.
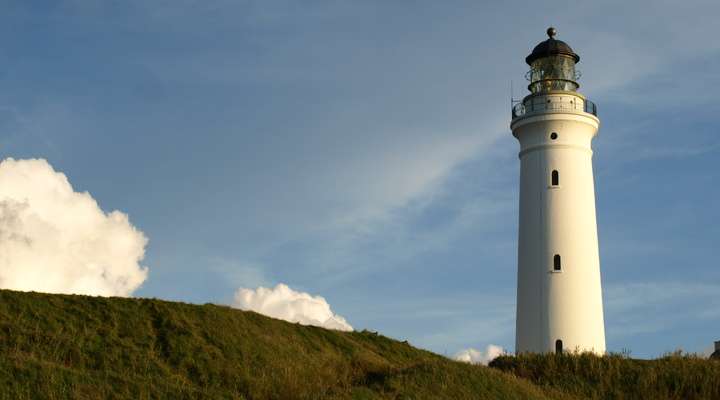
551, 32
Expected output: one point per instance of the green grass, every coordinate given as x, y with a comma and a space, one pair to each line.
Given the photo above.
79, 347
586, 376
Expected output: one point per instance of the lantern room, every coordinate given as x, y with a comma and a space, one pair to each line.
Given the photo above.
552, 66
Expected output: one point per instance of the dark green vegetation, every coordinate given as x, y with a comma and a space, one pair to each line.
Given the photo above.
78, 347
586, 376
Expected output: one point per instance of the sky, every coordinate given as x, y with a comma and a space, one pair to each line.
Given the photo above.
360, 151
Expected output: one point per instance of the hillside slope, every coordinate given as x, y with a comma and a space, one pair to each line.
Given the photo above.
79, 347
587, 376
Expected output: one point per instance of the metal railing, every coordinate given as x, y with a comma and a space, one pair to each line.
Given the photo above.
532, 105
590, 107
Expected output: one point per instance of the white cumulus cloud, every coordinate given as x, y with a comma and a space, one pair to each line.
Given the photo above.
56, 240
474, 356
284, 303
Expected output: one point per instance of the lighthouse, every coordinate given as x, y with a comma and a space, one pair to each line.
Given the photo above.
559, 295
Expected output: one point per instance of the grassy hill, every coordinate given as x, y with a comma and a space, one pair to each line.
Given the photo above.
586, 376
79, 347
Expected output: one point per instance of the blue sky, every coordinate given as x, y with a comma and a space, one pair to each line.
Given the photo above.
361, 150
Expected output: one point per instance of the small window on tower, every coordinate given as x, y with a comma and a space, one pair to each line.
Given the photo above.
553, 135
555, 178
558, 346
556, 263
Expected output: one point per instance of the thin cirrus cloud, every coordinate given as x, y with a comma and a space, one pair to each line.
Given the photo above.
56, 240
650, 307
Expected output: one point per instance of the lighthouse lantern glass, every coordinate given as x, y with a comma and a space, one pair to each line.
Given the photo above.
553, 73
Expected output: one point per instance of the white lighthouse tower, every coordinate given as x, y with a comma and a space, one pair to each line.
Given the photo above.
559, 297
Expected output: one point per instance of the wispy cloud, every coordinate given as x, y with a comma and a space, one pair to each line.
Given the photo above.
446, 322
239, 274
644, 307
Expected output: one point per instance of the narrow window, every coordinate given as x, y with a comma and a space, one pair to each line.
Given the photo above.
556, 262
558, 346
555, 178
553, 135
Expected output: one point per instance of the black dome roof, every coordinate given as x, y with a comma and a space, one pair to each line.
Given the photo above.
551, 47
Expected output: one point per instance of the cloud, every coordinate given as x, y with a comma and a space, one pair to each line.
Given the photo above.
461, 326
391, 177
236, 272
648, 307
707, 352
635, 295
56, 240
474, 356
284, 303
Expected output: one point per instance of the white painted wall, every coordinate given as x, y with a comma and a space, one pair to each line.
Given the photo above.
564, 305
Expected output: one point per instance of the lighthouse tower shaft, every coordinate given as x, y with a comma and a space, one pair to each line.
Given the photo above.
559, 295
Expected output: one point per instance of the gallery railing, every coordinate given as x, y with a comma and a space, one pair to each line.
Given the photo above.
531, 105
